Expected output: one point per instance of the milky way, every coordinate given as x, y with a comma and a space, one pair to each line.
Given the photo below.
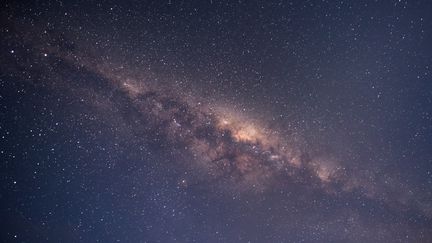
223, 147
218, 156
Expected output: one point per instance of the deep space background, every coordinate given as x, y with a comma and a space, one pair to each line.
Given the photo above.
216, 121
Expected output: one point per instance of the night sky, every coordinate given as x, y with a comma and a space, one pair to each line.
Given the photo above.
216, 121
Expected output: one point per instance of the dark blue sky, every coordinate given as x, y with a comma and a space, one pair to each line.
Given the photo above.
211, 121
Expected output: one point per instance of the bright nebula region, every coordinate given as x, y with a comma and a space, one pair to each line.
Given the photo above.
216, 121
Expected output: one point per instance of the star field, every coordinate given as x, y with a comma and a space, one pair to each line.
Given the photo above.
216, 121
